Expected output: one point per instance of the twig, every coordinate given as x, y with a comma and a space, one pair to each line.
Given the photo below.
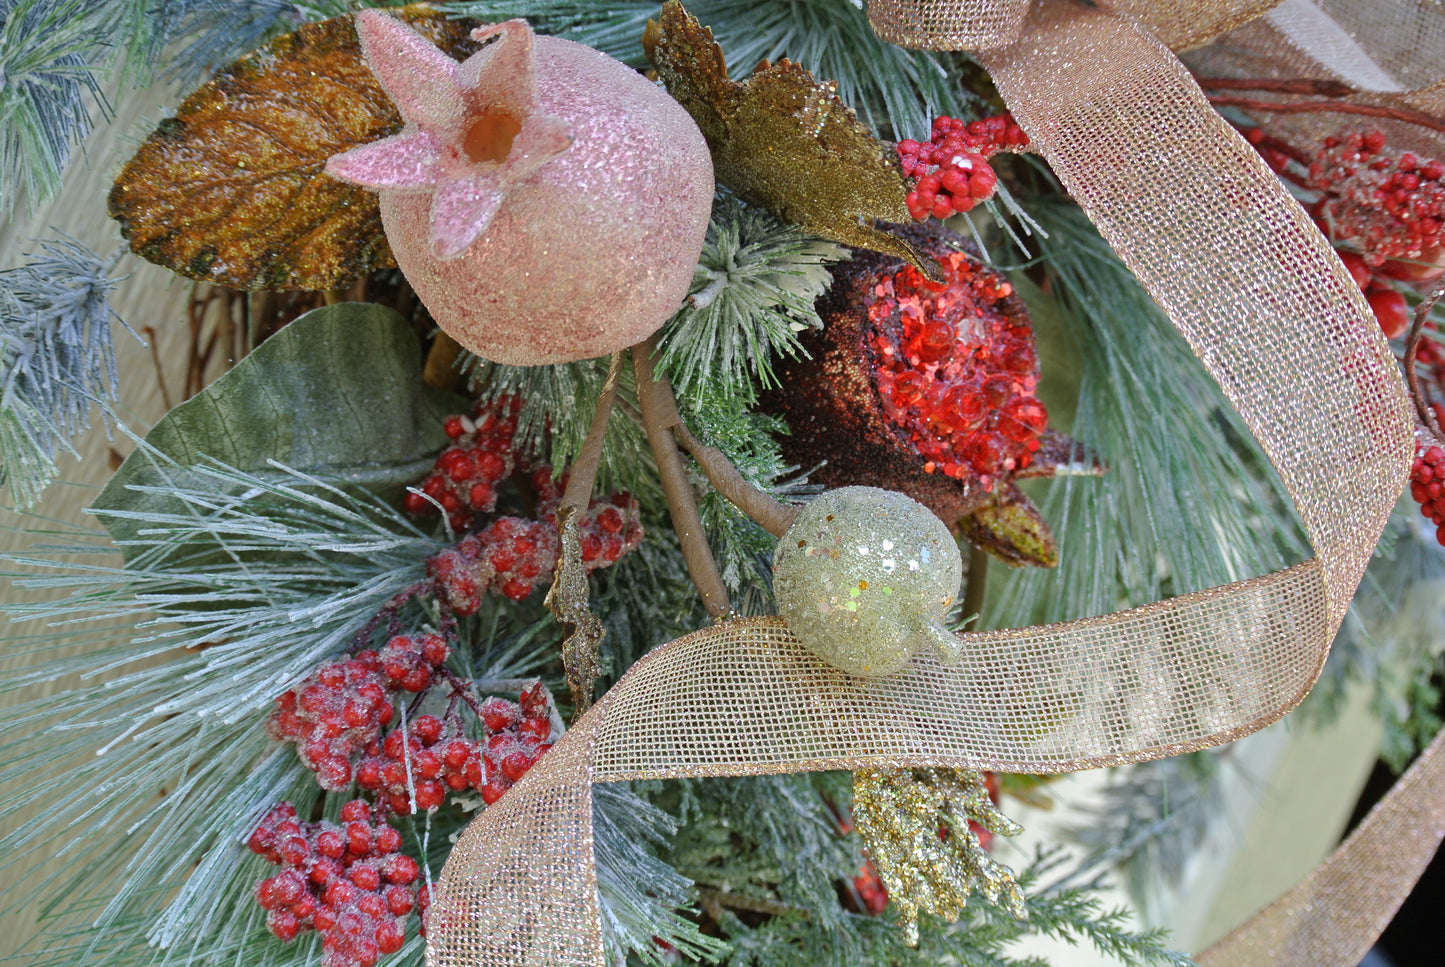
1412, 348
1329, 107
569, 597
583, 474
1295, 85
441, 363
652, 398
150, 334
973, 586
714, 900
771, 515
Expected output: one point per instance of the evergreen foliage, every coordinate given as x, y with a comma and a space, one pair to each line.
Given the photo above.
754, 289
56, 358
1151, 820
47, 74
558, 404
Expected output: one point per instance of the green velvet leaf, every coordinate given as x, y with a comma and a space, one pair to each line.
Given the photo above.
338, 393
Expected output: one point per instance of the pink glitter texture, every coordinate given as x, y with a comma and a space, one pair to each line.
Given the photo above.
546, 202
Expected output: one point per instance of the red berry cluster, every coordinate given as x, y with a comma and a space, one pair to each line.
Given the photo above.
349, 882
514, 555
517, 738
955, 372
950, 170
466, 474
1392, 205
1427, 486
433, 755
342, 706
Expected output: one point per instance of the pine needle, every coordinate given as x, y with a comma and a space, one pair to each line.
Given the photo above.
753, 292
56, 358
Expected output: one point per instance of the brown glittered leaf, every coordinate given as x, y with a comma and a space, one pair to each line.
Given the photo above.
232, 189
784, 141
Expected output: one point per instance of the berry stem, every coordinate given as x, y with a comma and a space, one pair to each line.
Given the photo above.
659, 412
1329, 107
1412, 348
463, 688
583, 473
771, 515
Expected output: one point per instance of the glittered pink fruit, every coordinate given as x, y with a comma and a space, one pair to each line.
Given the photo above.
546, 202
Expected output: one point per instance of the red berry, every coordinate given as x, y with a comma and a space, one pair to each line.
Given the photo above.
1391, 310
388, 840
389, 938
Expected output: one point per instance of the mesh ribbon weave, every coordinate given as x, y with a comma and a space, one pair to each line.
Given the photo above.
1271, 312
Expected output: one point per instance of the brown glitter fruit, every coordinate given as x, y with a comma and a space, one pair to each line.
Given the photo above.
928, 390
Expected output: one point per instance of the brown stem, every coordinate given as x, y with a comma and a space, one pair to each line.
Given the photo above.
973, 586
150, 333
654, 398
712, 901
1329, 107
583, 474
771, 515
1295, 85
1412, 349
441, 363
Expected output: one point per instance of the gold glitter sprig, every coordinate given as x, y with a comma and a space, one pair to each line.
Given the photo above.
900, 814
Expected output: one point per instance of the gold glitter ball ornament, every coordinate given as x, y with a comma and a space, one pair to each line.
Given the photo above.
864, 576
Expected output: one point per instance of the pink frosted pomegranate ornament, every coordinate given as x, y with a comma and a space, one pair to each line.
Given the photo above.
546, 202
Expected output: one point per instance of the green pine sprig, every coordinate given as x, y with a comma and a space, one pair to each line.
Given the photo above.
753, 292
56, 358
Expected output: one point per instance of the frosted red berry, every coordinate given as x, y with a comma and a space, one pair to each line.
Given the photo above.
359, 901
1427, 486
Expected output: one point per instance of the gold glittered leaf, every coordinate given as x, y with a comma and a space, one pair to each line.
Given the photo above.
232, 190
786, 142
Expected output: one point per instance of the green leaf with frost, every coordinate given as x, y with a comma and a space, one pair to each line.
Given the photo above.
337, 393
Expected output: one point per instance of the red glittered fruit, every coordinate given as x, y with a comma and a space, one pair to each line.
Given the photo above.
929, 390
546, 202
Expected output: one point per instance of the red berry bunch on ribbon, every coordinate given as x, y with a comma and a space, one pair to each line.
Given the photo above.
950, 170
1427, 487
1392, 205
466, 474
956, 373
350, 882
514, 555
342, 706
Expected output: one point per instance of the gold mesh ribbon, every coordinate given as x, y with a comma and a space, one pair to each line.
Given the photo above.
1264, 302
